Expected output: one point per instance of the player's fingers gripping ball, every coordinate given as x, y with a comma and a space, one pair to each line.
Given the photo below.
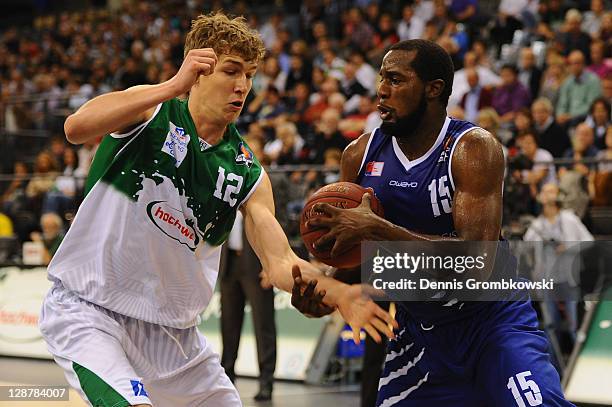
341, 195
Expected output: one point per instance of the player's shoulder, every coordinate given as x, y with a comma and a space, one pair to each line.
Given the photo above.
356, 148
478, 140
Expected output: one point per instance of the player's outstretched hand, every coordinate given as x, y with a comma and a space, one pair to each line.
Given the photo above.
361, 312
305, 298
347, 227
201, 61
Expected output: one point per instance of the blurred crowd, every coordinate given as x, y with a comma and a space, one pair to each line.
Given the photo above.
536, 73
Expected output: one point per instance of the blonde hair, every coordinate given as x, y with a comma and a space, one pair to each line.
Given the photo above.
226, 36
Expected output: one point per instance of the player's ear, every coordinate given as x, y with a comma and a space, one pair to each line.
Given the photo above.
433, 89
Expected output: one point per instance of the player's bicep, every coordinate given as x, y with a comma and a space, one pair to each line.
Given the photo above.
139, 120
352, 157
478, 171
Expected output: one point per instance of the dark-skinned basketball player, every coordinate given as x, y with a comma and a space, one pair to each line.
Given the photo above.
438, 179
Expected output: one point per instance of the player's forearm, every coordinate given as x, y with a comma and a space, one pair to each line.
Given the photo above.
115, 111
383, 230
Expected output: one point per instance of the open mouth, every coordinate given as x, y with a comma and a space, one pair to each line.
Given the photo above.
386, 112
237, 103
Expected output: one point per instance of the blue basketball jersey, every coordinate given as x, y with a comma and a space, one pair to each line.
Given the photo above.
417, 195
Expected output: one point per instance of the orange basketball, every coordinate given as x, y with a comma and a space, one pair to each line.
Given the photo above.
344, 195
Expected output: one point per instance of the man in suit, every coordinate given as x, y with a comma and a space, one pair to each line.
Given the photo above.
529, 74
551, 135
475, 99
239, 273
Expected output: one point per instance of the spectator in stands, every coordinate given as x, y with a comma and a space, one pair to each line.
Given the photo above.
486, 78
476, 98
358, 31
601, 64
552, 137
267, 106
583, 146
558, 230
523, 122
578, 91
543, 170
353, 125
511, 96
365, 74
386, 35
599, 120
553, 77
351, 87
131, 74
299, 72
51, 236
591, 23
411, 26
325, 136
43, 179
529, 74
573, 38
286, 148
270, 75
606, 154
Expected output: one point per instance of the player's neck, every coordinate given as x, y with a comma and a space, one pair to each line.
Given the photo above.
209, 131
424, 136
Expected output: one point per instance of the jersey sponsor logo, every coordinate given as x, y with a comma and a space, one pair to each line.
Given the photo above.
138, 388
175, 144
244, 156
374, 169
403, 184
172, 223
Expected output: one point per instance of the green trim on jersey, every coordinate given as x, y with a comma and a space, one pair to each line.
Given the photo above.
98, 392
165, 150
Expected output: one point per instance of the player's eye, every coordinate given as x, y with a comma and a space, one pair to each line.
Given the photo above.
230, 72
395, 81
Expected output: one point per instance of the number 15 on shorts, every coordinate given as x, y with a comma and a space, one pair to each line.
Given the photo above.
529, 388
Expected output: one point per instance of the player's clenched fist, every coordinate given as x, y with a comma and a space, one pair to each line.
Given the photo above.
197, 62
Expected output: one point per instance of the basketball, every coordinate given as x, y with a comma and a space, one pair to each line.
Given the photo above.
344, 195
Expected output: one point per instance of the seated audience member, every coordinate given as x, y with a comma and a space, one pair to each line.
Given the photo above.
286, 148
486, 78
543, 170
511, 95
599, 120
573, 38
43, 179
353, 125
411, 26
529, 73
51, 236
606, 154
582, 147
326, 135
476, 98
578, 91
601, 64
552, 136
553, 77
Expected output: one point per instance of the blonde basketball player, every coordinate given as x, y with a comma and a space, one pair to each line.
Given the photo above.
140, 261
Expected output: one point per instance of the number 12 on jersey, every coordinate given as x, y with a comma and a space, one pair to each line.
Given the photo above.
438, 190
231, 190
